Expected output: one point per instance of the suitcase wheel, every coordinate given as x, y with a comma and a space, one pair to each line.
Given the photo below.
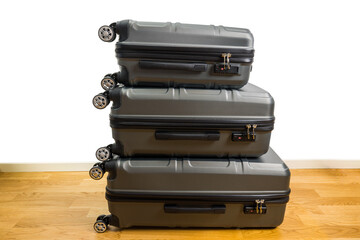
106, 33
96, 172
108, 83
100, 226
100, 101
103, 154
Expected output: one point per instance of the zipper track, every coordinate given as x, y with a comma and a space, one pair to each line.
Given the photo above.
120, 46
238, 124
128, 196
238, 55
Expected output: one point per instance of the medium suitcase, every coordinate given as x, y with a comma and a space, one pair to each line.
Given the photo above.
191, 122
181, 55
196, 192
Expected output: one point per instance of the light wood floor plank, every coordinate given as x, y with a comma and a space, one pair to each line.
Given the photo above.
324, 204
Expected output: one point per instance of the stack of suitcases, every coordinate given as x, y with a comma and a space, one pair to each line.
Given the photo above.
191, 135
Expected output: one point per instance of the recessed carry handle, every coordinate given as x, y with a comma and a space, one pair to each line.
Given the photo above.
207, 136
213, 209
194, 67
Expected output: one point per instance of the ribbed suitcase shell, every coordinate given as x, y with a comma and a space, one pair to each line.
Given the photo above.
183, 55
191, 122
196, 192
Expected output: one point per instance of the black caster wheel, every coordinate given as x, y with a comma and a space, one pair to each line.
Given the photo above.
103, 154
96, 172
106, 33
100, 226
100, 101
108, 82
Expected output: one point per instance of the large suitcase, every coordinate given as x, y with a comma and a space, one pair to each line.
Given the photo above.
181, 55
191, 122
196, 192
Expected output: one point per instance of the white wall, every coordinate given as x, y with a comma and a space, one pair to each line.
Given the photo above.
52, 61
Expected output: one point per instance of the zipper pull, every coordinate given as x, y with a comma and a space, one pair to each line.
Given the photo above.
248, 126
257, 205
253, 131
261, 205
226, 57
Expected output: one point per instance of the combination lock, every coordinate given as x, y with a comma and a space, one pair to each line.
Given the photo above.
224, 69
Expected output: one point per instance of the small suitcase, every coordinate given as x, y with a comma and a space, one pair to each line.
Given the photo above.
191, 122
196, 192
180, 55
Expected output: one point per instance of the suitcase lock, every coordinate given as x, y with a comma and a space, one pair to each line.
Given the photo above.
259, 208
249, 136
227, 68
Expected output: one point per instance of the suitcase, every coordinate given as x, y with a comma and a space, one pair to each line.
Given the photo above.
180, 55
190, 122
196, 192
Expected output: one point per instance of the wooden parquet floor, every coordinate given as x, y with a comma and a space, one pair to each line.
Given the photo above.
324, 204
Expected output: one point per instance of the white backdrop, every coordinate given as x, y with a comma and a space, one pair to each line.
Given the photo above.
52, 61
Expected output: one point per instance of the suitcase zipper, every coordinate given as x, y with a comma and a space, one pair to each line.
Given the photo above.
237, 56
250, 136
257, 201
259, 205
231, 124
226, 57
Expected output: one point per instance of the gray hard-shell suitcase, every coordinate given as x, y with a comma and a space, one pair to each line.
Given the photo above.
181, 55
196, 192
191, 122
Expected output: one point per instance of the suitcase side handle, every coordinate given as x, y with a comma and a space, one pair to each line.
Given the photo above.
212, 209
193, 67
207, 136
